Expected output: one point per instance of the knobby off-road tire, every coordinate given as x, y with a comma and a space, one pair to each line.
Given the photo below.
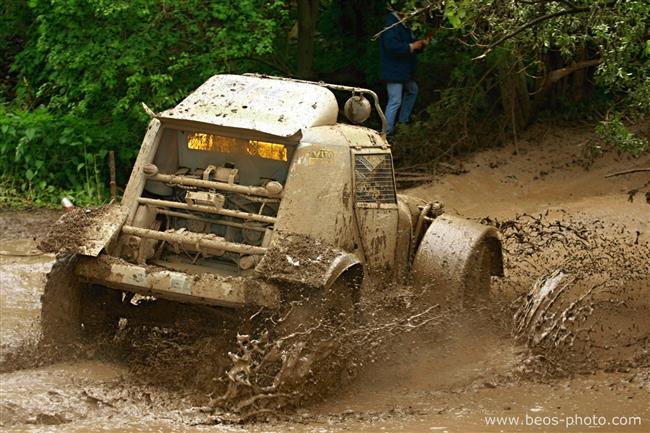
100, 310
72, 310
61, 303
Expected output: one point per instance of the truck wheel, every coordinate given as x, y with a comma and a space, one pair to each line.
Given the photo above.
340, 302
313, 364
455, 261
60, 302
71, 309
99, 310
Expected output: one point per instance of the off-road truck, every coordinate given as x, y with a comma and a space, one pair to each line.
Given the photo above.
250, 190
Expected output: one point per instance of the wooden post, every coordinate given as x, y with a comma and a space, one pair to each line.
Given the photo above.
111, 165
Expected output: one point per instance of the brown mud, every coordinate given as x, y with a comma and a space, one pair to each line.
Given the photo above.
26, 225
566, 334
298, 259
83, 230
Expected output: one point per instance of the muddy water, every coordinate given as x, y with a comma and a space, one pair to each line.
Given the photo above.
449, 378
22, 276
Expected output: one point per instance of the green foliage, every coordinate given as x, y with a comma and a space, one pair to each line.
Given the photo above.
86, 65
143, 44
75, 71
615, 134
511, 42
621, 35
613, 31
455, 11
44, 157
100, 59
15, 20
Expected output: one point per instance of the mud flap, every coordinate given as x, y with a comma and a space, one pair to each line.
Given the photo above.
85, 231
456, 258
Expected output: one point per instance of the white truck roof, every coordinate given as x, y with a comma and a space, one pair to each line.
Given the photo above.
273, 106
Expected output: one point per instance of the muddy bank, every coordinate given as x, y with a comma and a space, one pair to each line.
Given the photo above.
548, 173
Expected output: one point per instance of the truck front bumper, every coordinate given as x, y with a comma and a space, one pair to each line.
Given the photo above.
210, 289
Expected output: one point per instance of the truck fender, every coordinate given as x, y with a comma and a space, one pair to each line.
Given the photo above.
346, 266
456, 258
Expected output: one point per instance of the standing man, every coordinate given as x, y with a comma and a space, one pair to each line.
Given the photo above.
398, 49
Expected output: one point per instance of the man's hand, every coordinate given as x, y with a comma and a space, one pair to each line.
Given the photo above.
418, 45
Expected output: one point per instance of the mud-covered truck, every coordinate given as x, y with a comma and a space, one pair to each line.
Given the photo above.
249, 191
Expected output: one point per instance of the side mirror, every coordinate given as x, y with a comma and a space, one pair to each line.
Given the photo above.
357, 109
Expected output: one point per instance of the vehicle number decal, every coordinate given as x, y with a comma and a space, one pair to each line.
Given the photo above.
320, 156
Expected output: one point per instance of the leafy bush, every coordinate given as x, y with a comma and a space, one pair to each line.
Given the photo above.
44, 157
578, 59
615, 134
84, 67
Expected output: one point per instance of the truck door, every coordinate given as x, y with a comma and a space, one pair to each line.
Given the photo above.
375, 202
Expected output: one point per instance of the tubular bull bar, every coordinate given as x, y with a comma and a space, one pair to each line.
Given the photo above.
205, 288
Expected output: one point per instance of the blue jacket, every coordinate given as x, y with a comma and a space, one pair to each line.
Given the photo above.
397, 60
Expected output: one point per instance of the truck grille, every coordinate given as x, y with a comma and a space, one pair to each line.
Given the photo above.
373, 177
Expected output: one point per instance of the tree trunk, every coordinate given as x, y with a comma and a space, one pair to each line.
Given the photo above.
514, 97
307, 15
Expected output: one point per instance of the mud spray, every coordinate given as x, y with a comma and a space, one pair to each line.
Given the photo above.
576, 295
590, 308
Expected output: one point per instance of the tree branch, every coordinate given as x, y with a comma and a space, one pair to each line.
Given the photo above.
558, 74
534, 22
634, 170
528, 25
406, 18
